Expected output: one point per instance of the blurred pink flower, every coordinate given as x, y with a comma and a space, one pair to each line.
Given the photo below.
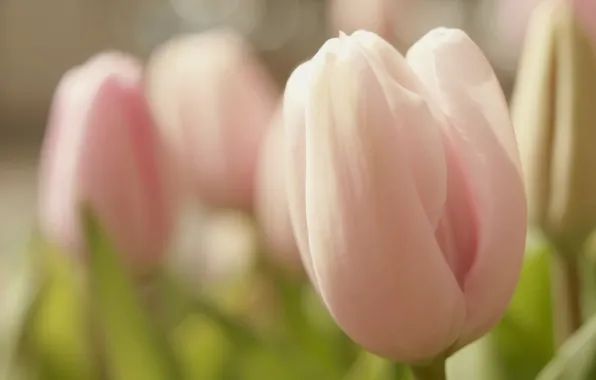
379, 16
512, 21
271, 204
101, 148
513, 17
213, 102
405, 190
585, 11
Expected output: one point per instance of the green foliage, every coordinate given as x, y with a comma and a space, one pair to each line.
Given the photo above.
524, 337
134, 347
55, 334
576, 359
83, 325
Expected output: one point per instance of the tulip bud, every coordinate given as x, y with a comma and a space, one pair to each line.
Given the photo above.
271, 199
213, 102
101, 149
405, 191
554, 115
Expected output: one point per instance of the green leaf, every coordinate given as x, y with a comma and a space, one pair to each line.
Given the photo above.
56, 334
524, 337
576, 359
19, 291
371, 367
202, 347
476, 361
317, 346
135, 348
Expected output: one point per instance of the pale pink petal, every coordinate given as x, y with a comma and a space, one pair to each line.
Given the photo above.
375, 260
295, 98
482, 137
424, 139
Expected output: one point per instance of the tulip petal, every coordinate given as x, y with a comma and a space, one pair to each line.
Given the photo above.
463, 82
295, 98
375, 262
101, 149
421, 129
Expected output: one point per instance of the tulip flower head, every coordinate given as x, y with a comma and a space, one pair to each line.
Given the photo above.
213, 103
405, 190
101, 148
554, 115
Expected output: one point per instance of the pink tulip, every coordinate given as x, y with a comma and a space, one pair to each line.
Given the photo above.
586, 15
213, 102
405, 190
271, 202
101, 148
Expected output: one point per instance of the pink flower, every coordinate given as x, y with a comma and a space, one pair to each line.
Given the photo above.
101, 149
405, 190
379, 16
271, 203
585, 11
213, 102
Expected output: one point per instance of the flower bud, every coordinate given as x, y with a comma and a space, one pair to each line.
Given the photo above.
554, 115
271, 201
101, 149
213, 102
405, 191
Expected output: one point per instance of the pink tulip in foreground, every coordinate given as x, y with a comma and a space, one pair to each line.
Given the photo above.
405, 190
213, 103
101, 148
271, 201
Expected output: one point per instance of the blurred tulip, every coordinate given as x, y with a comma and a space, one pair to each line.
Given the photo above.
271, 200
586, 15
101, 148
213, 102
405, 191
554, 116
512, 18
379, 16
228, 247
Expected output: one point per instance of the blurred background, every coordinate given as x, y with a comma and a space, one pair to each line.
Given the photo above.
40, 40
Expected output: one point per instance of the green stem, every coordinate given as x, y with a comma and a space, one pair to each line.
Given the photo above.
432, 371
367, 366
566, 296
